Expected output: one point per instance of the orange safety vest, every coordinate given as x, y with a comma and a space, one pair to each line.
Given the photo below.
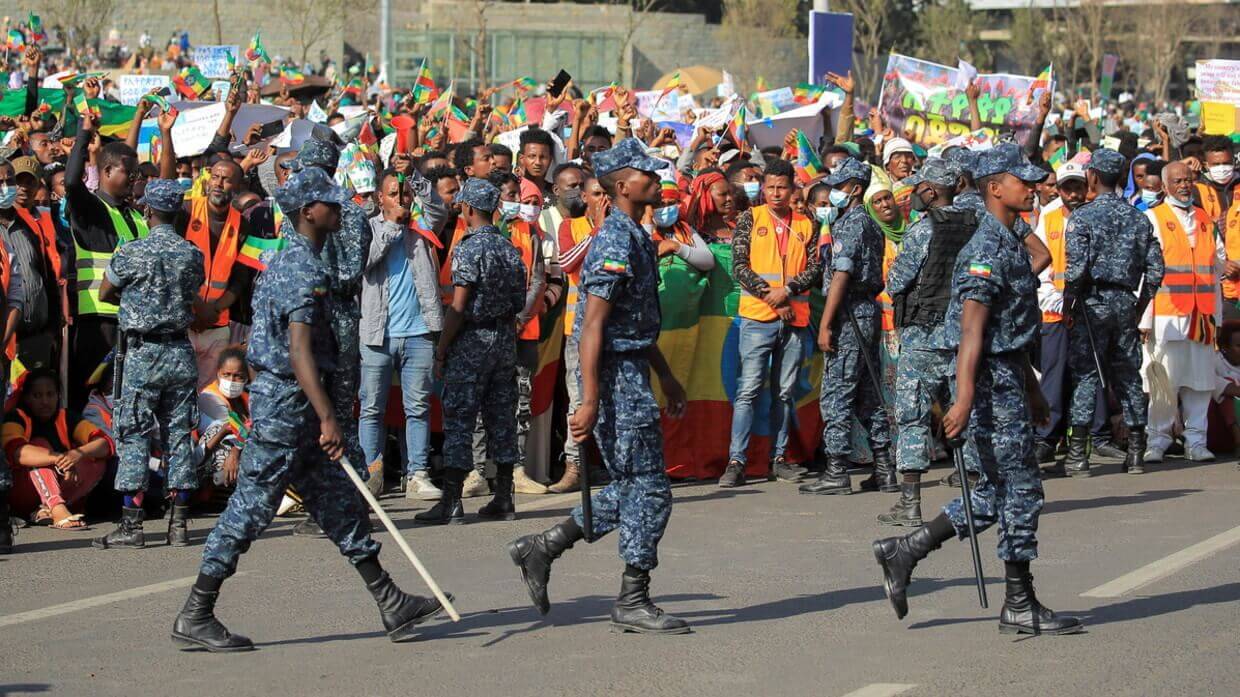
6, 276
1231, 245
890, 250
766, 261
580, 229
62, 428
1210, 201
445, 271
527, 239
46, 230
1188, 283
217, 267
1056, 242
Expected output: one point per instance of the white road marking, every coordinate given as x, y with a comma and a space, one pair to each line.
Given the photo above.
1165, 567
95, 601
881, 689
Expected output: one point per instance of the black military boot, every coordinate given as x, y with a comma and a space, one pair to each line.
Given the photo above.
899, 555
128, 533
178, 526
907, 510
634, 612
534, 554
833, 480
1023, 614
1045, 451
885, 471
6, 525
501, 506
449, 508
1134, 461
401, 612
196, 627
1076, 462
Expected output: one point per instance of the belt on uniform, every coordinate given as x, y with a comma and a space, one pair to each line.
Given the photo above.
484, 323
1103, 285
160, 337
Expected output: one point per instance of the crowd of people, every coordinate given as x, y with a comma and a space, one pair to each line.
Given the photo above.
140, 315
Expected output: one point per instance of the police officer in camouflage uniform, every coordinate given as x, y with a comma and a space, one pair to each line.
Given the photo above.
1111, 251
295, 429
477, 357
919, 283
992, 323
617, 325
850, 283
156, 280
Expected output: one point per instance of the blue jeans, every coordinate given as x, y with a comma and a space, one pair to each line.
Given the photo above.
767, 349
414, 357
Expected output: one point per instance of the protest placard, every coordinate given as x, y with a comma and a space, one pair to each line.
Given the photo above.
1219, 118
920, 101
213, 60
653, 105
132, 87
1218, 81
194, 129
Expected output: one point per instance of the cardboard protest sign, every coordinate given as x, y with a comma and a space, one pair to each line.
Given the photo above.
1219, 118
132, 87
213, 60
920, 102
193, 130
1218, 81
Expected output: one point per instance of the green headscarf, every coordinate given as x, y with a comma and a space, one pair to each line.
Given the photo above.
893, 231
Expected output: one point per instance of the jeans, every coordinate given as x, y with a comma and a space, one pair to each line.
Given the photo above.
414, 357
767, 348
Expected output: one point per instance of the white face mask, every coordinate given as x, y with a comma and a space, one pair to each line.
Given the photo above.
1185, 204
1221, 174
231, 388
529, 212
508, 210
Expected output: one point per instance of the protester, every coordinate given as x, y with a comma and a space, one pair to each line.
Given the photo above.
224, 419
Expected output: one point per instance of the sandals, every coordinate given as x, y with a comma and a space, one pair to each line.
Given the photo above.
43, 517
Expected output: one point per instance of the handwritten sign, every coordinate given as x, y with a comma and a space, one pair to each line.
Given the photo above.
132, 87
1218, 81
213, 60
194, 129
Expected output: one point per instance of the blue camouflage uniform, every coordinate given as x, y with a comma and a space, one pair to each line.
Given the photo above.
995, 270
622, 268
480, 370
283, 447
925, 373
1111, 250
966, 160
344, 256
159, 277
847, 388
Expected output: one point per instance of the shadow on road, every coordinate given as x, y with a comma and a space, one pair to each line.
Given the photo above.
1064, 506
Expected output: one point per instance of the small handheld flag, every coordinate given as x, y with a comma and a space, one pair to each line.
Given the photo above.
256, 53
525, 84
290, 75
191, 83
672, 85
37, 35
807, 165
1041, 82
737, 126
424, 89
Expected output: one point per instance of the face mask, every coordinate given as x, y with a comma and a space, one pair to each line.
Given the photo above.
666, 216
8, 196
529, 212
186, 183
230, 388
1221, 174
1150, 197
573, 203
918, 203
508, 210
839, 199
648, 227
751, 190
823, 214
1177, 202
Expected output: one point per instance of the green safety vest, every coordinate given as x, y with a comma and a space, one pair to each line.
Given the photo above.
92, 265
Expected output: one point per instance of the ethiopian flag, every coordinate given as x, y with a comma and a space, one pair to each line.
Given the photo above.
424, 89
114, 118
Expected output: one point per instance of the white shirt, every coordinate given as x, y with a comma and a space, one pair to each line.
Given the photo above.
1225, 375
1174, 327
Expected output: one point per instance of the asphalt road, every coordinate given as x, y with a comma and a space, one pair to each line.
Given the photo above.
781, 589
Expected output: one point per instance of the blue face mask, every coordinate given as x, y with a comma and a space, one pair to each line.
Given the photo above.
186, 183
825, 214
751, 190
508, 210
8, 196
666, 216
1150, 197
839, 199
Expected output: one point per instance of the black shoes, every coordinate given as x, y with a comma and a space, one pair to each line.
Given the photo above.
1106, 449
907, 510
833, 480
1023, 614
196, 627
127, 534
449, 508
1045, 451
898, 556
178, 526
534, 554
309, 528
6, 525
1134, 461
401, 612
1076, 462
784, 471
501, 506
634, 612
733, 476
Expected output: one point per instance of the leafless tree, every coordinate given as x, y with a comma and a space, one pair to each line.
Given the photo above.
1028, 42
310, 22
639, 10
748, 27
869, 19
84, 18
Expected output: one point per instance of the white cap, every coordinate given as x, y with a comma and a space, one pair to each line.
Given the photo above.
894, 146
1069, 170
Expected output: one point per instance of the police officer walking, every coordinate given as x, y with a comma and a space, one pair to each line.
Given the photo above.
155, 281
851, 281
920, 284
617, 325
477, 357
992, 322
1111, 251
295, 430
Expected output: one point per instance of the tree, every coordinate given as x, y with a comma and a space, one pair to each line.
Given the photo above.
638, 11
1156, 40
869, 23
1028, 42
949, 32
310, 22
748, 26
1093, 19
83, 18
475, 46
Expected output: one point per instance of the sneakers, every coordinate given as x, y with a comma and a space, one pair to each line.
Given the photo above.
420, 488
475, 485
784, 471
1198, 453
523, 484
1108, 449
1154, 454
733, 476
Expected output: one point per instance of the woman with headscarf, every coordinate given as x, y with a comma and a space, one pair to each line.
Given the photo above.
711, 207
1136, 175
880, 203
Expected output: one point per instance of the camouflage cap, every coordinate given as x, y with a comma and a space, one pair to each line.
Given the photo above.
962, 156
315, 153
847, 170
1007, 158
308, 186
627, 153
164, 195
1106, 161
938, 171
479, 194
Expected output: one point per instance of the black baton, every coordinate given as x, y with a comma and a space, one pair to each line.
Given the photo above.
869, 363
587, 452
1093, 348
957, 447
118, 365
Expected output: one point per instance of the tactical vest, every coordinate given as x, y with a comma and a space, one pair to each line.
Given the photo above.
926, 304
